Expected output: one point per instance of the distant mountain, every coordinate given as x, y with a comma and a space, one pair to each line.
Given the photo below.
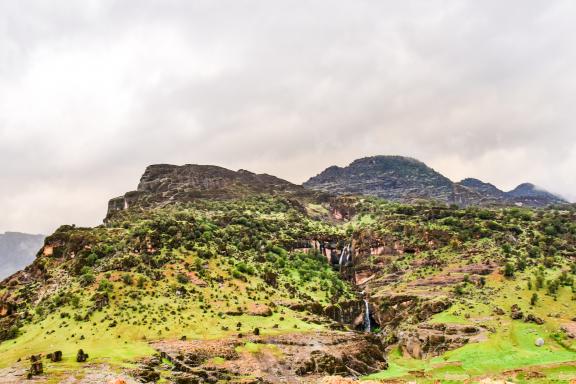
531, 195
405, 179
389, 177
17, 250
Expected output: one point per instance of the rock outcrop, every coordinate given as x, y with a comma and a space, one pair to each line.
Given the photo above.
164, 183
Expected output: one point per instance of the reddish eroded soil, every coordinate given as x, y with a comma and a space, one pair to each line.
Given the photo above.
291, 358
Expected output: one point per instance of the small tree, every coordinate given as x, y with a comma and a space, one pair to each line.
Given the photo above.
509, 270
534, 299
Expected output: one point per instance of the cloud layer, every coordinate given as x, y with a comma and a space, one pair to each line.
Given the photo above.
93, 91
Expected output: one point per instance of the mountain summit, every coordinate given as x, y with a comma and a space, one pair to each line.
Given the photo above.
390, 177
405, 179
165, 183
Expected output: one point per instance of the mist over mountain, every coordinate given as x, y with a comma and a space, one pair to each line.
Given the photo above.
17, 250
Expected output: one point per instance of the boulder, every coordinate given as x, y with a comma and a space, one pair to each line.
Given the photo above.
260, 310
539, 342
36, 367
81, 356
530, 318
516, 313
55, 356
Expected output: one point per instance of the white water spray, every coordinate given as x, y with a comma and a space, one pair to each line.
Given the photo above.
366, 316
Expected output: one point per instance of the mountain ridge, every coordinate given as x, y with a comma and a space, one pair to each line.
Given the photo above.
405, 179
17, 250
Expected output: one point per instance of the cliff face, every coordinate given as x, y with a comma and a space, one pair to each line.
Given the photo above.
404, 179
164, 184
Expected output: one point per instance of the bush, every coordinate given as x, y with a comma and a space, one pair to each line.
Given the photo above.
509, 270
245, 268
182, 278
105, 285
87, 279
127, 279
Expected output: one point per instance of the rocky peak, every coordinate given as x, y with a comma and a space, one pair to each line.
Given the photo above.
526, 189
486, 190
390, 177
165, 183
531, 195
405, 179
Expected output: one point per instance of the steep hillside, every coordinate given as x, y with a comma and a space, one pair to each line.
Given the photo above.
259, 281
17, 250
403, 179
469, 292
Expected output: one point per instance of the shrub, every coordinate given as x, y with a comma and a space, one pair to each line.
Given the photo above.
182, 278
509, 270
245, 268
87, 279
127, 279
105, 285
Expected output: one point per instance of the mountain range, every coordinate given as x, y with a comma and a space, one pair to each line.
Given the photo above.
405, 179
394, 178
207, 275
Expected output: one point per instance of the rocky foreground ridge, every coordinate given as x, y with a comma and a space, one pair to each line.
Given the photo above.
408, 180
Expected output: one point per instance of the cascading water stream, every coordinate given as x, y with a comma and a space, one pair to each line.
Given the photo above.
366, 316
341, 258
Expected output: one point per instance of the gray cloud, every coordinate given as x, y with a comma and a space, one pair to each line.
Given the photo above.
91, 92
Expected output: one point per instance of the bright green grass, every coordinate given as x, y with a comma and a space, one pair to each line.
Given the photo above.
508, 349
175, 317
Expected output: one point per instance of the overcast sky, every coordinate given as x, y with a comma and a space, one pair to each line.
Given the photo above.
92, 91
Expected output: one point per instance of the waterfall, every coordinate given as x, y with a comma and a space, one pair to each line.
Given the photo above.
344, 256
341, 257
366, 316
348, 254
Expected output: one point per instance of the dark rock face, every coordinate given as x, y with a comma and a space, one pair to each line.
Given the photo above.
404, 179
530, 195
486, 193
164, 184
390, 177
17, 250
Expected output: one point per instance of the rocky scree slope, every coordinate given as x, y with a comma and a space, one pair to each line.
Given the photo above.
404, 179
